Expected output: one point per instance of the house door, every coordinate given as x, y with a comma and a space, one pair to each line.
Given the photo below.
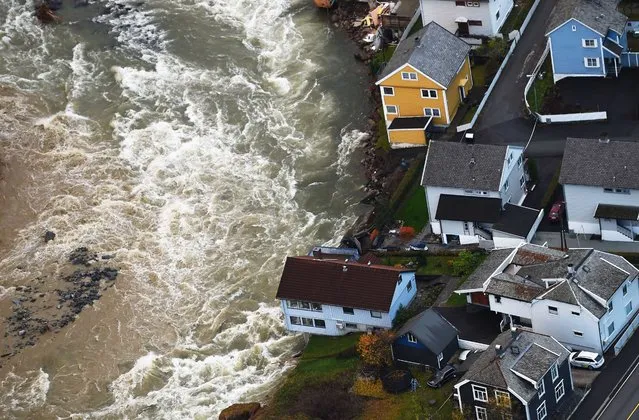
462, 94
463, 28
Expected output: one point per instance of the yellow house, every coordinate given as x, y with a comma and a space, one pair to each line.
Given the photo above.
423, 84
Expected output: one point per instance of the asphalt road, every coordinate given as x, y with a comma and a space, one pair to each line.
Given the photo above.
625, 404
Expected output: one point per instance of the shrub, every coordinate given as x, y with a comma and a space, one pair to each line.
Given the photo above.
532, 170
375, 349
550, 192
403, 314
466, 263
369, 388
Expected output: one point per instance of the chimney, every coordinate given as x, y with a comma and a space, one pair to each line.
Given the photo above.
571, 270
368, 263
514, 333
344, 269
499, 351
472, 160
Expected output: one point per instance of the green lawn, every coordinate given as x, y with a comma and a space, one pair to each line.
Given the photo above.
479, 75
413, 210
541, 88
468, 117
320, 346
456, 300
436, 265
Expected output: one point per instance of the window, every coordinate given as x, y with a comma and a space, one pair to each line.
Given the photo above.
578, 333
509, 159
475, 23
520, 160
376, 314
522, 181
432, 112
575, 313
480, 413
553, 310
611, 328
348, 311
610, 306
628, 308
625, 289
554, 372
429, 93
307, 322
307, 306
574, 28
389, 91
541, 388
472, 3
351, 326
541, 411
409, 75
591, 62
480, 393
617, 190
316, 307
460, 3
320, 323
608, 190
497, 15
497, 299
409, 286
295, 320
502, 399
506, 185
440, 357
589, 43
559, 390
411, 338
391, 109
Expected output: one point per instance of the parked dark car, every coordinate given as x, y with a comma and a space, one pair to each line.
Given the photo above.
556, 211
442, 376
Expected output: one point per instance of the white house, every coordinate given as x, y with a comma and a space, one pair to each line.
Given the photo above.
585, 298
330, 297
467, 18
474, 192
601, 188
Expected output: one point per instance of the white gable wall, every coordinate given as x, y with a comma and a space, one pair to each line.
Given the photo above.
402, 296
510, 307
446, 12
563, 325
513, 172
618, 314
432, 200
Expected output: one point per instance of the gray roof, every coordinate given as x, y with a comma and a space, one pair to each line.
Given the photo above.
562, 293
594, 307
495, 371
557, 269
534, 362
461, 165
514, 287
430, 329
433, 51
602, 273
600, 15
486, 269
611, 164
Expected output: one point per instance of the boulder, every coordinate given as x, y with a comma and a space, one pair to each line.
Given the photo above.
48, 236
243, 411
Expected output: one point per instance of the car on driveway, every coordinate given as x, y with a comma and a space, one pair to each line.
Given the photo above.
586, 359
442, 376
556, 211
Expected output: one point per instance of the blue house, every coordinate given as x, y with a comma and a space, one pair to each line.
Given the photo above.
426, 339
587, 38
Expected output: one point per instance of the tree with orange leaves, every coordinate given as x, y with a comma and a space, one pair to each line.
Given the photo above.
375, 349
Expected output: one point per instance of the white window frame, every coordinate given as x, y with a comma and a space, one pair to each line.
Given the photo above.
481, 413
541, 388
577, 333
480, 393
376, 314
553, 311
432, 112
388, 94
392, 106
540, 409
315, 323
522, 181
595, 65
506, 185
558, 387
624, 289
430, 93
612, 324
411, 338
440, 357
409, 75
628, 310
351, 310
351, 325
584, 43
502, 396
520, 160
554, 372
299, 319
611, 306
409, 286
574, 28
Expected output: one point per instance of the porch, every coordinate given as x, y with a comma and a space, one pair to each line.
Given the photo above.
409, 131
618, 222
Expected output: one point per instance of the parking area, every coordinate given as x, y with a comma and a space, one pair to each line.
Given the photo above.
619, 97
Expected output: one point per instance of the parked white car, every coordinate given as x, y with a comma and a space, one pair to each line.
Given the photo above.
586, 359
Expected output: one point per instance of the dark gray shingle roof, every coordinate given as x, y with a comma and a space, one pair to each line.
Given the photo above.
600, 15
491, 370
432, 50
602, 273
561, 293
534, 362
460, 165
482, 273
431, 330
516, 220
597, 163
514, 287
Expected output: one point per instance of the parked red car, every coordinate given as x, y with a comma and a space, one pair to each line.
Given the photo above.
556, 211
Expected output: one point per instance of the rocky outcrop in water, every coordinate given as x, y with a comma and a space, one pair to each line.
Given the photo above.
50, 304
245, 411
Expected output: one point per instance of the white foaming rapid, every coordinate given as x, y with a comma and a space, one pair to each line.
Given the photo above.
194, 176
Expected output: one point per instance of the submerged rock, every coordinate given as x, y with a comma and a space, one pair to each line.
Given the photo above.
49, 236
244, 411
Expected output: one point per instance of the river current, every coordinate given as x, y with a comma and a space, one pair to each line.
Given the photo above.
197, 141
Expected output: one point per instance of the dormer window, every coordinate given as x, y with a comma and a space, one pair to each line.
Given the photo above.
411, 338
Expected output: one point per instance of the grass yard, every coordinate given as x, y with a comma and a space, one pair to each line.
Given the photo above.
382, 135
413, 210
468, 117
436, 265
517, 16
479, 75
541, 89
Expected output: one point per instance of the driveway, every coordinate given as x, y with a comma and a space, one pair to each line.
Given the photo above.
506, 102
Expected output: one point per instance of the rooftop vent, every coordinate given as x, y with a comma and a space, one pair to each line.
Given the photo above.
344, 269
514, 333
514, 349
571, 270
472, 160
586, 269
